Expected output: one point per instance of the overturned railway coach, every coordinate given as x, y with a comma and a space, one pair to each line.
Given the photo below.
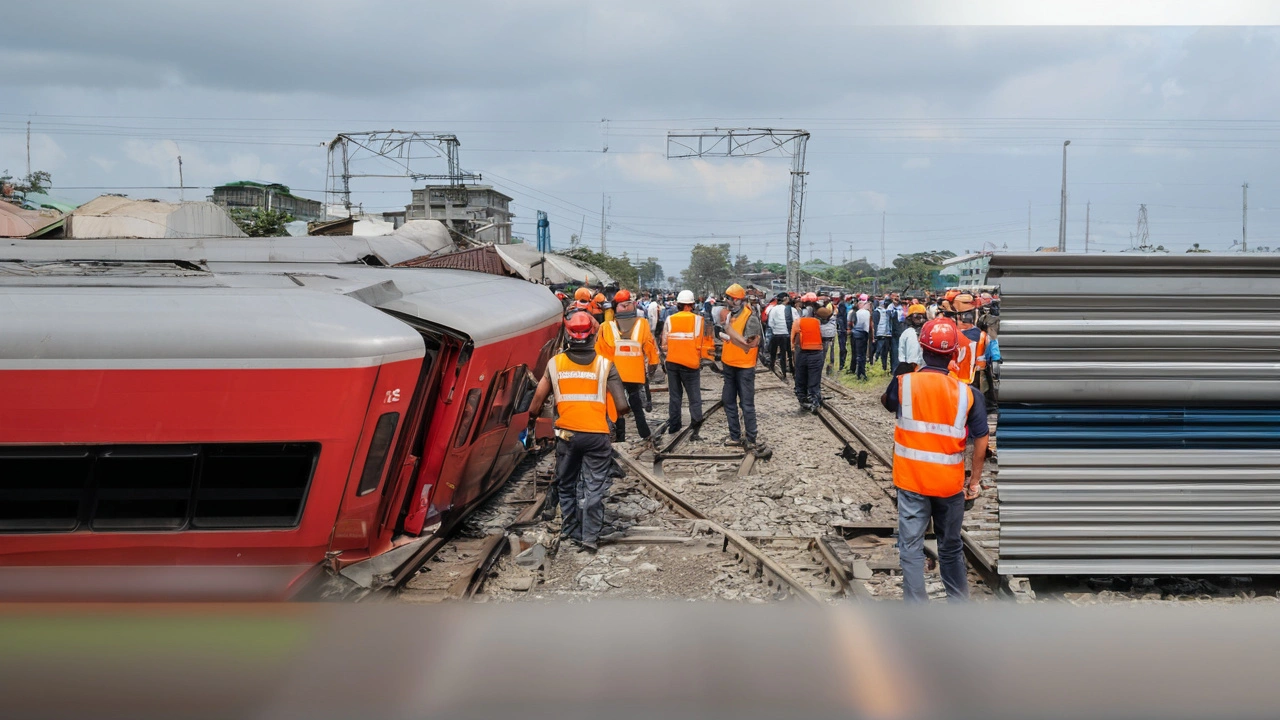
216, 425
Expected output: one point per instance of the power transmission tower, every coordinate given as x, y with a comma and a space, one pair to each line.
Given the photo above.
395, 146
1244, 220
753, 142
1144, 232
1086, 226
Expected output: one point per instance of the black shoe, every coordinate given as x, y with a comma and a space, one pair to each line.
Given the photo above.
732, 442
673, 430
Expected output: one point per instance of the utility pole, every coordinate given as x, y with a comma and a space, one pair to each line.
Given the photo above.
1086, 227
831, 252
1028, 226
182, 187
810, 251
1062, 215
1244, 220
602, 211
882, 258
28, 148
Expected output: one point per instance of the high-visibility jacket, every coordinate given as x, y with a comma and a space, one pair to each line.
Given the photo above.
583, 402
629, 353
733, 355
687, 344
928, 441
971, 357
809, 329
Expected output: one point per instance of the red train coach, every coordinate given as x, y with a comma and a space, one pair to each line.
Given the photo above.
244, 429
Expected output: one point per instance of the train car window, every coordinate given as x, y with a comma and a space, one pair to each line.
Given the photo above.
379, 446
502, 404
468, 417
525, 396
154, 487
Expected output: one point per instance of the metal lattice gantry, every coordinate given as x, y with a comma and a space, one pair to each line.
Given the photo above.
396, 147
755, 142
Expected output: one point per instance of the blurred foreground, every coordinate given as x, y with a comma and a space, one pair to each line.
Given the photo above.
624, 660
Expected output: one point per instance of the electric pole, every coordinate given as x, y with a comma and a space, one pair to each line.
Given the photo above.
882, 259
1028, 226
1086, 227
1062, 215
182, 188
810, 251
831, 252
602, 211
1244, 220
28, 148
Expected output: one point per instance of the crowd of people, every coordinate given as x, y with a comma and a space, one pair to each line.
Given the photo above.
941, 349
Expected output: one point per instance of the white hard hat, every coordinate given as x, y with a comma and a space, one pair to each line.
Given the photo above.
685, 297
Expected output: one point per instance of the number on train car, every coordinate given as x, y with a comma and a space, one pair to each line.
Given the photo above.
393, 396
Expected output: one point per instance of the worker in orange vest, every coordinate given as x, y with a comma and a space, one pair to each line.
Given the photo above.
628, 342
741, 335
589, 398
687, 343
806, 343
937, 414
971, 356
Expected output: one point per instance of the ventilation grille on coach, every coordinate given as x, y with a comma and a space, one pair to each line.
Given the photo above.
154, 487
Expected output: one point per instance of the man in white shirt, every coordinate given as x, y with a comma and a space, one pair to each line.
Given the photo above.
781, 317
860, 324
910, 358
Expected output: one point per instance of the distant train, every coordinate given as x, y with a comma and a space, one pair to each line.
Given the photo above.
248, 419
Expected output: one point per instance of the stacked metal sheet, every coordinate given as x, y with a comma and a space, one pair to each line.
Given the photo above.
1139, 414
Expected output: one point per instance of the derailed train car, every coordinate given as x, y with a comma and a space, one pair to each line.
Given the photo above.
216, 421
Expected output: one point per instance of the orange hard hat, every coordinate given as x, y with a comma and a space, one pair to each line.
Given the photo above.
582, 294
940, 335
621, 296
599, 298
963, 302
951, 295
580, 326
735, 291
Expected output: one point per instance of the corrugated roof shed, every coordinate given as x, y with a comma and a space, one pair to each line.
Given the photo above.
17, 222
111, 216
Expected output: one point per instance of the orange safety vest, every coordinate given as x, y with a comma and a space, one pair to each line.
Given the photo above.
583, 401
628, 354
810, 331
733, 355
686, 345
970, 358
928, 441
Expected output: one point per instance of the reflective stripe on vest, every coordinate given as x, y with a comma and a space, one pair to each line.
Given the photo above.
929, 437
733, 355
684, 338
581, 393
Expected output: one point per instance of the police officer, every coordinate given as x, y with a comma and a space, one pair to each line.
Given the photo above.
628, 343
936, 414
742, 333
589, 397
686, 343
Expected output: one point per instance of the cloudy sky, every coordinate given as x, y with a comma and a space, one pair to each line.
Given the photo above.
951, 131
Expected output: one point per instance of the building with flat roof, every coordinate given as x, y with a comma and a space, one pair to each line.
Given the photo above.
476, 211
248, 194
966, 271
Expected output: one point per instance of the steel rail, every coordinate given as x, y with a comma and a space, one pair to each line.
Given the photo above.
770, 570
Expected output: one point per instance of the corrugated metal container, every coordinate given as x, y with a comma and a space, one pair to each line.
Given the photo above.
1139, 414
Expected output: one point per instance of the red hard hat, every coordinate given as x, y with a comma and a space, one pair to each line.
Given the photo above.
580, 326
621, 296
940, 335
809, 297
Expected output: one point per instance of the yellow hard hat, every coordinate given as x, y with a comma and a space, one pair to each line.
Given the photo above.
917, 309
735, 291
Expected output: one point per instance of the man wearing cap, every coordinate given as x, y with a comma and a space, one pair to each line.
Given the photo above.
936, 415
687, 343
741, 337
628, 343
909, 357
